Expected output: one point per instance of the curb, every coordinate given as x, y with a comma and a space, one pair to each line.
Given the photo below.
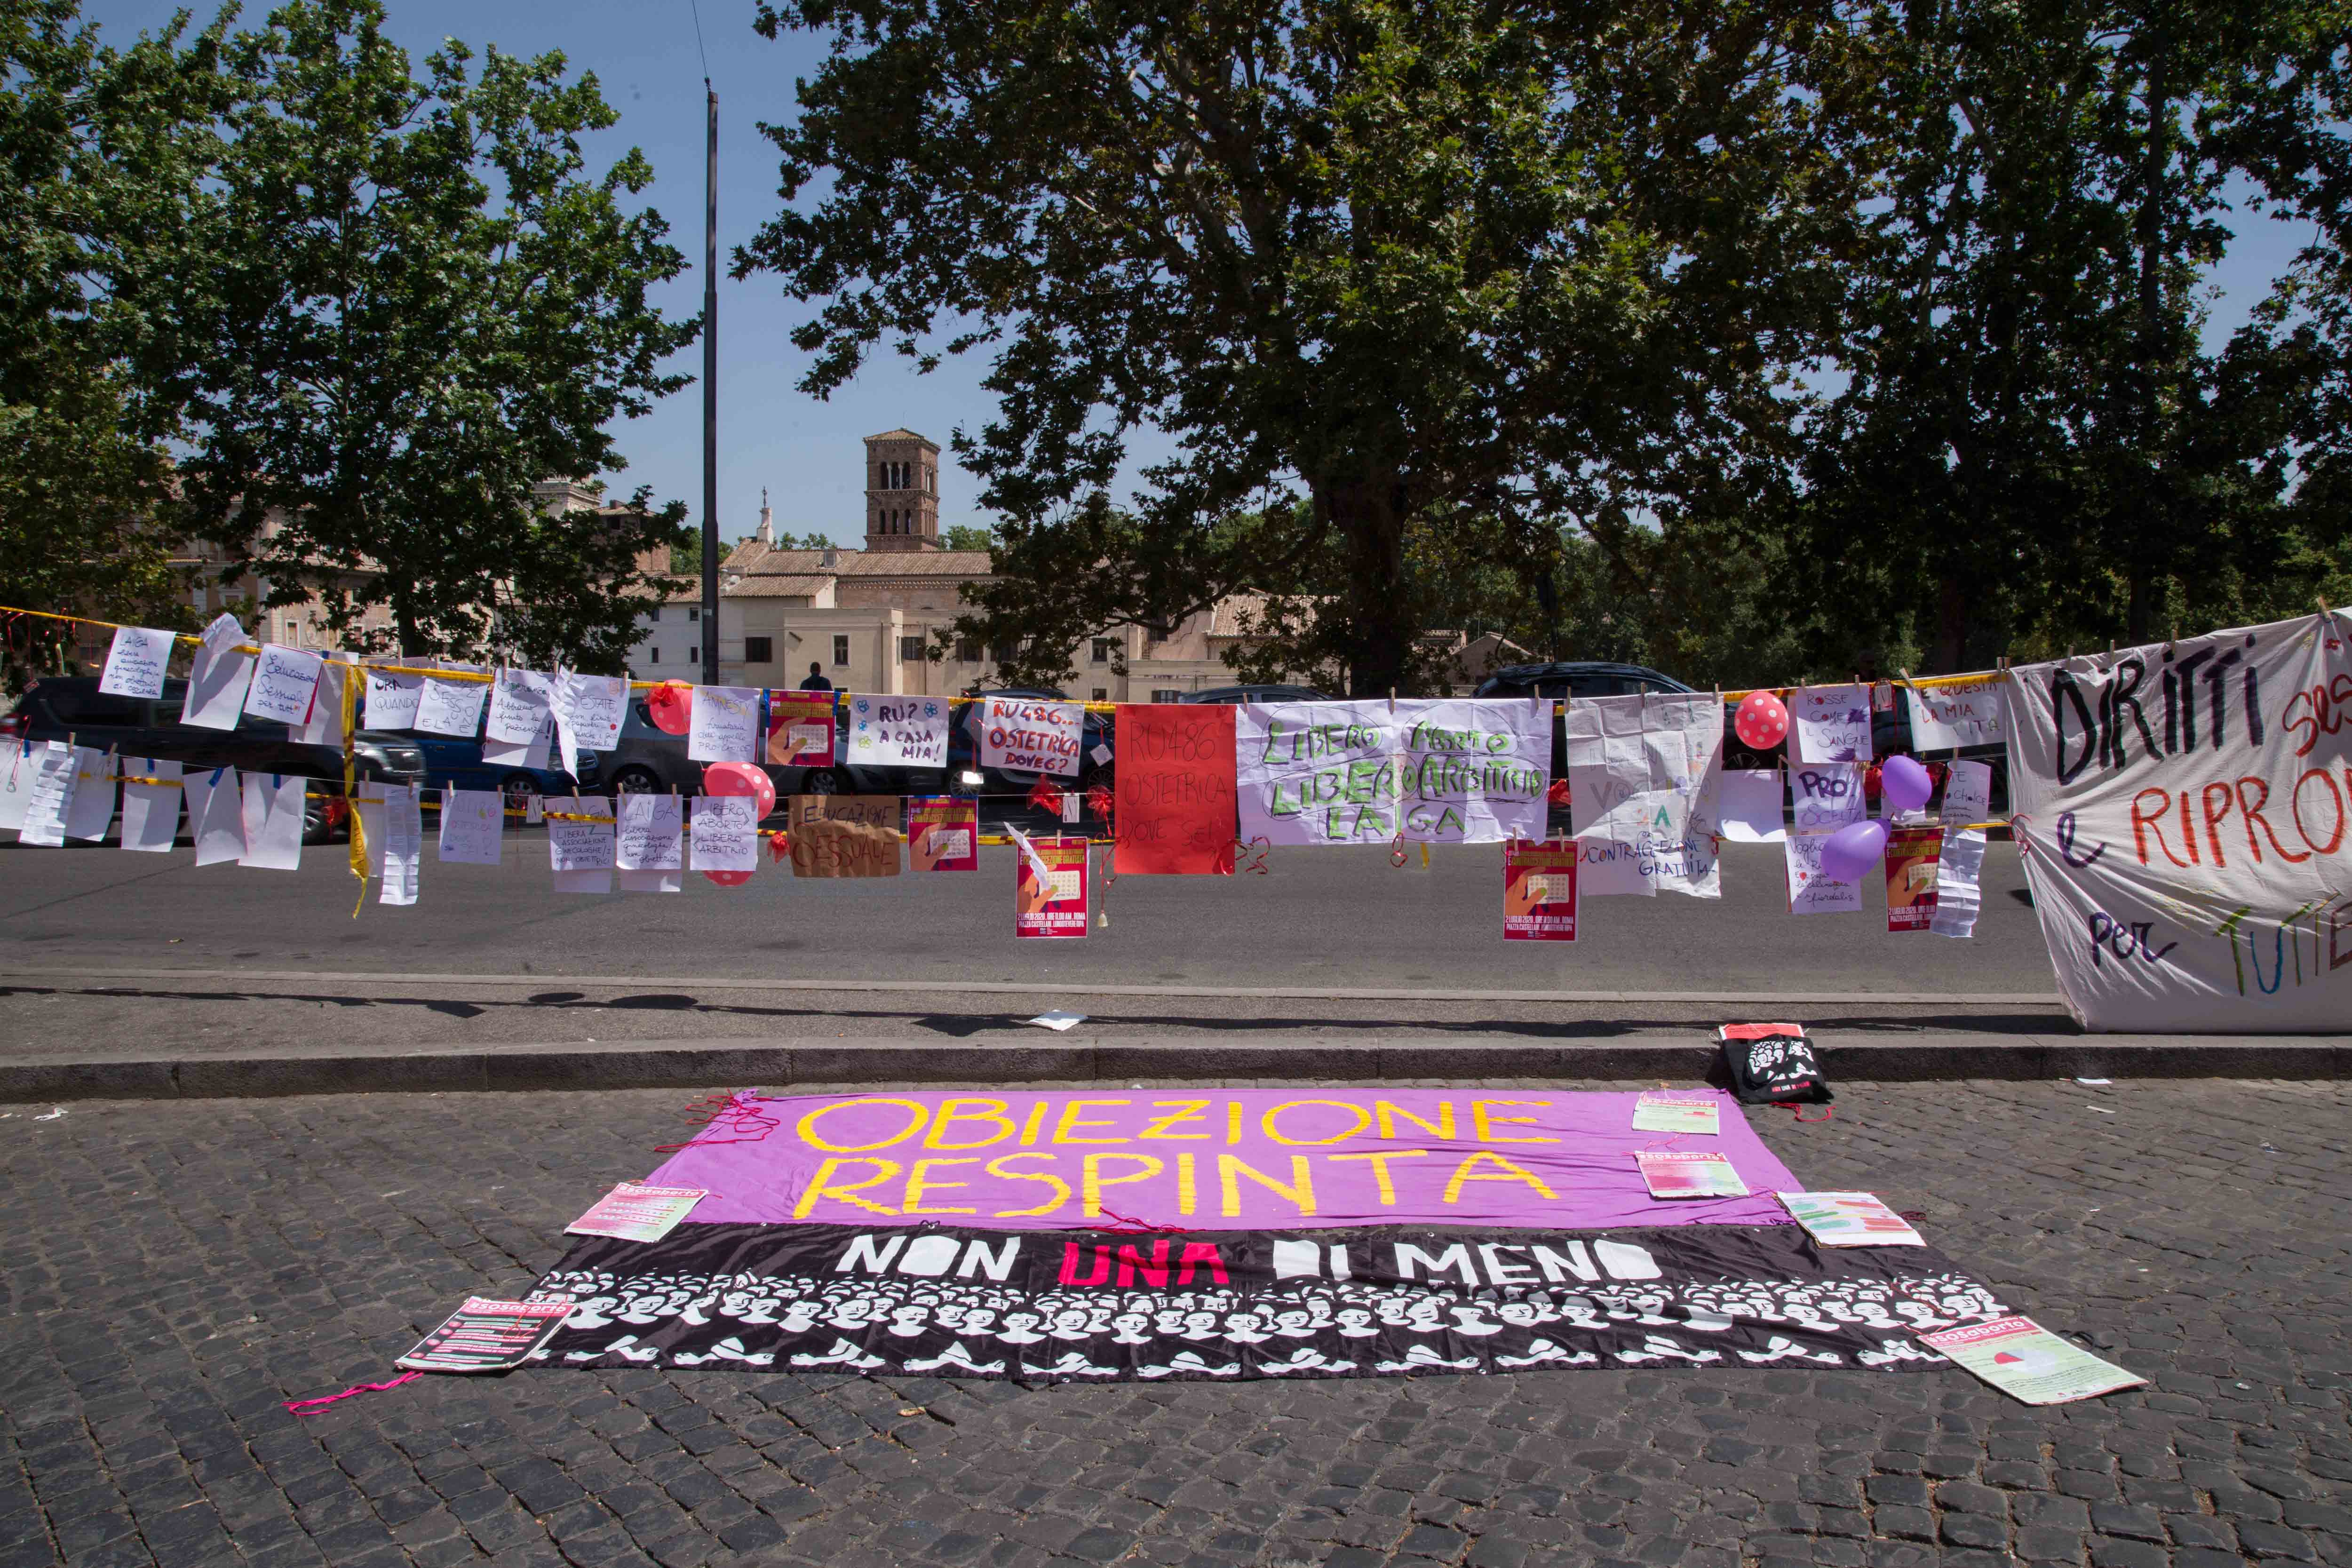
777, 1064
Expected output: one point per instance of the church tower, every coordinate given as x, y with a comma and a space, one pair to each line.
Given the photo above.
902, 491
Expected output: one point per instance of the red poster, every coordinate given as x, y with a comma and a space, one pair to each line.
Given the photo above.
800, 728
1175, 796
1539, 890
944, 833
1911, 857
1056, 904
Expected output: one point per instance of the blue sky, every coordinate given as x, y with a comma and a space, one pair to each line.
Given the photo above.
805, 452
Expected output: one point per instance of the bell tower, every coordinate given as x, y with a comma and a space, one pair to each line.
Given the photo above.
902, 491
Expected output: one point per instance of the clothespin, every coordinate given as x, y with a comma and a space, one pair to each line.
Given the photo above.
1391, 698
2323, 604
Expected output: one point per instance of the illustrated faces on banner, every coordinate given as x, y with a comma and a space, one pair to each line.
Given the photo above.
1432, 772
1831, 724
1026, 735
900, 731
1947, 717
1826, 796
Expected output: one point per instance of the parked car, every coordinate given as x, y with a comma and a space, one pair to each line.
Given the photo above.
649, 759
61, 707
1236, 694
1098, 748
454, 763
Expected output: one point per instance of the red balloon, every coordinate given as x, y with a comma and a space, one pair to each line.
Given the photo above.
1761, 721
671, 706
728, 878
740, 778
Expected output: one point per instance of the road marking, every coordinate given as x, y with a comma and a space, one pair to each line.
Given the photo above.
1749, 1000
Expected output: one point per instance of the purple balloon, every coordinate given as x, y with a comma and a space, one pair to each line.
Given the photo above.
1853, 850
1904, 783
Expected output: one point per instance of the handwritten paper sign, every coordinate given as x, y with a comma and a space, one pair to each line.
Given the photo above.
217, 677
452, 707
392, 699
1749, 806
325, 725
845, 834
520, 727
1831, 724
1027, 734
580, 842
54, 778
403, 845
472, 821
1175, 801
800, 728
272, 806
648, 849
1645, 771
1947, 716
1604, 866
216, 814
588, 712
1431, 771
1967, 794
151, 812
1049, 888
285, 684
943, 834
1539, 890
725, 835
1959, 883
1811, 891
136, 662
1827, 795
725, 727
1911, 857
898, 732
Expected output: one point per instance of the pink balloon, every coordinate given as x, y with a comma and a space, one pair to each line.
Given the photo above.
1853, 850
740, 778
1761, 720
1907, 784
670, 705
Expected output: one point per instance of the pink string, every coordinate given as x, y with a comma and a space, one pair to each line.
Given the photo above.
305, 1406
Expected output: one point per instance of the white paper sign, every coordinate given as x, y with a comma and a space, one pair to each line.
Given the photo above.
16, 774
1964, 713
726, 833
403, 845
1830, 724
1465, 771
217, 679
581, 852
271, 804
136, 663
1967, 794
905, 732
50, 797
452, 707
1826, 796
150, 813
726, 725
1604, 866
520, 699
1959, 883
1024, 734
1751, 806
1811, 891
325, 727
92, 811
216, 814
648, 840
392, 701
588, 712
285, 683
471, 822
1643, 771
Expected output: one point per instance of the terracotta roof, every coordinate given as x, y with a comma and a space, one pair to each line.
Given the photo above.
756, 560
777, 585
906, 435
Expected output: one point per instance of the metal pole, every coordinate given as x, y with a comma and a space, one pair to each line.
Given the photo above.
710, 401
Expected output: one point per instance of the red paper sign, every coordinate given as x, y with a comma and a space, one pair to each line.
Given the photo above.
1911, 857
800, 728
1056, 905
943, 834
1539, 890
1175, 795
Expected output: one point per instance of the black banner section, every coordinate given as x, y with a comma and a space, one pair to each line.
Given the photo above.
1035, 1306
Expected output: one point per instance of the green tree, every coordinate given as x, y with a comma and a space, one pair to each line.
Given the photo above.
403, 301
963, 536
1403, 261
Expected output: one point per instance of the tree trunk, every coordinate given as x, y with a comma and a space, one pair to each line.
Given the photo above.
1379, 613
1951, 625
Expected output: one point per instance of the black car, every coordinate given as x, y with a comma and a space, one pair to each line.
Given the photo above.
649, 759
1237, 694
72, 707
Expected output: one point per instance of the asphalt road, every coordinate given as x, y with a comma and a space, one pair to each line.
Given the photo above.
1317, 918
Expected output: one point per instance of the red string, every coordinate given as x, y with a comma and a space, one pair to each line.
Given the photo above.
1129, 1225
1828, 1113
306, 1406
735, 1113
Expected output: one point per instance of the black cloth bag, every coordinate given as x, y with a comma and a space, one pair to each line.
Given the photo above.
1774, 1070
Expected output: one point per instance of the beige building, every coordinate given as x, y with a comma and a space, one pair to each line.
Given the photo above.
869, 619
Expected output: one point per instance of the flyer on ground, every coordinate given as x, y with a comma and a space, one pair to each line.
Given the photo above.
1850, 1219
1689, 1173
1677, 1113
634, 1212
2028, 1363
485, 1335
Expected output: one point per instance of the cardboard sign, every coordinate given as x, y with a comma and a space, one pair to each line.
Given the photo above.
800, 728
1028, 734
1539, 890
1056, 904
943, 834
845, 834
1911, 855
1175, 790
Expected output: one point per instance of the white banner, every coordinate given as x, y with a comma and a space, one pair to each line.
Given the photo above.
1949, 715
911, 732
1643, 771
2186, 813
1027, 735
1432, 772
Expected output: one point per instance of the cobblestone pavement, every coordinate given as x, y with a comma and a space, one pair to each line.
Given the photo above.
174, 1271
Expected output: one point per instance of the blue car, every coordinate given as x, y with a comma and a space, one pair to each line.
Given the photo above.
453, 764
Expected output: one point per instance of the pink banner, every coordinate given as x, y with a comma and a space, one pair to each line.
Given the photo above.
1266, 1159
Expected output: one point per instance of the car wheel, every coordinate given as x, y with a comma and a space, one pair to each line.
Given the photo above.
821, 781
519, 788
636, 780
318, 827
